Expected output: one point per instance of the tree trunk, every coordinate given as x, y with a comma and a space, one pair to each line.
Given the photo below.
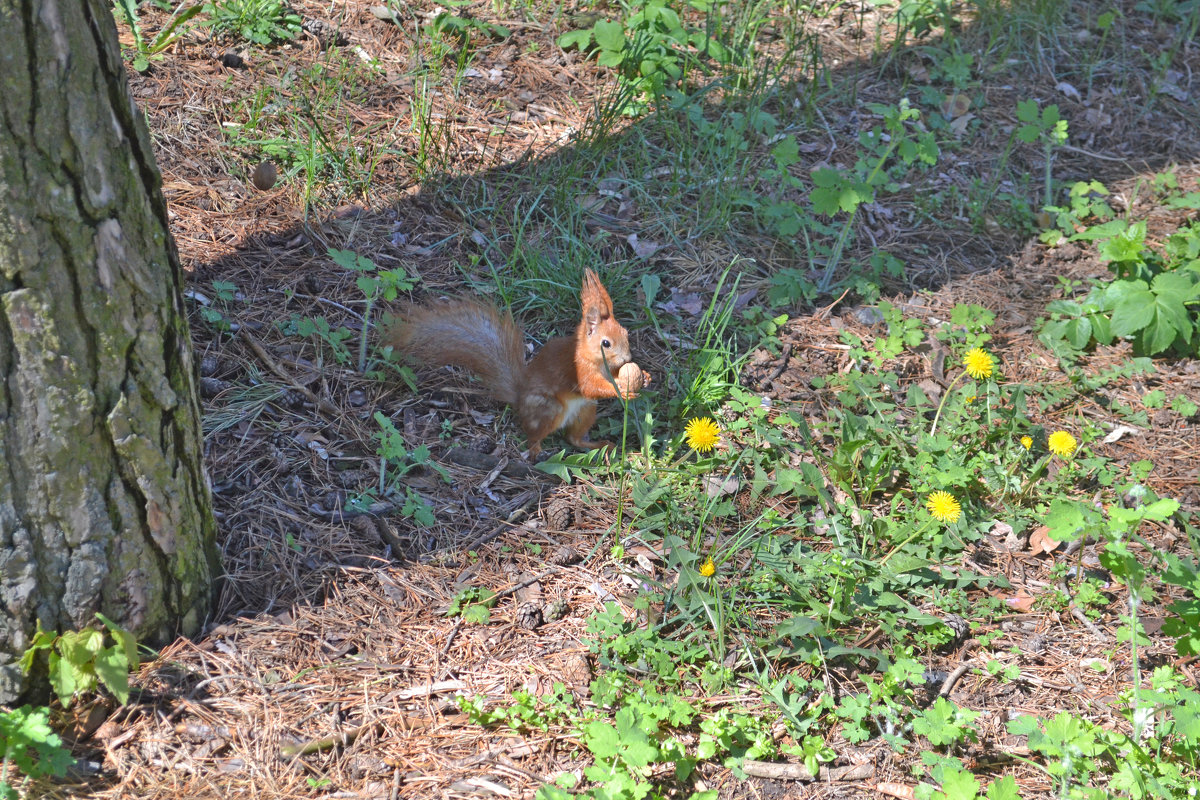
104, 505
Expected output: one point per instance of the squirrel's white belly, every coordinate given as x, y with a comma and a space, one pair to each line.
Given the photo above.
574, 406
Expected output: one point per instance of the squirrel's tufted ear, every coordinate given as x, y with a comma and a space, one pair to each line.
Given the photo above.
595, 296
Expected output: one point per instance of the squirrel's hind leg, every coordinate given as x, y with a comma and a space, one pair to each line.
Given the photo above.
540, 415
577, 429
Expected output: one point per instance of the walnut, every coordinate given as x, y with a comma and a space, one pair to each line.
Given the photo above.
631, 379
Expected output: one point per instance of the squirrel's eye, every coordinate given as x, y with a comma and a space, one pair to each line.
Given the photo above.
605, 343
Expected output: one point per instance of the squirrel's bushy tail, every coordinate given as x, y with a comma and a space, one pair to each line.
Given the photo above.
467, 333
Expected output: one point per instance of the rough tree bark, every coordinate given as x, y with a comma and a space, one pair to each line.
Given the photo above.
104, 505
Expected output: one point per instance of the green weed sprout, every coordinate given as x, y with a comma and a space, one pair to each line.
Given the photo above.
28, 743
81, 660
145, 50
1047, 127
374, 283
263, 22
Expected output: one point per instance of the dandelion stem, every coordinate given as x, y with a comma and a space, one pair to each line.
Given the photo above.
942, 404
896, 549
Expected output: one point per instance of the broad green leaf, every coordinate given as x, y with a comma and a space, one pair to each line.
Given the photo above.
826, 177
1028, 133
450, 23
825, 201
960, 786
80, 647
787, 222
1004, 789
1158, 335
112, 669
1126, 245
670, 20
786, 152
610, 36
840, 196
1182, 573
1185, 627
1024, 725
554, 466
1133, 313
1055, 330
42, 640
1101, 328
706, 44
1117, 291
27, 729
610, 58
602, 739
579, 39
63, 679
1079, 332
1068, 307
1160, 510
477, 614
348, 259
1105, 230
1172, 289
124, 638
1191, 200
1066, 519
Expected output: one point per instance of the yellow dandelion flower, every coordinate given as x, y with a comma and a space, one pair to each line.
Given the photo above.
1027, 442
972, 398
701, 434
978, 363
708, 568
944, 507
1062, 443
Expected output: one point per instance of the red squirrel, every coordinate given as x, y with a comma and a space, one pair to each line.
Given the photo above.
558, 388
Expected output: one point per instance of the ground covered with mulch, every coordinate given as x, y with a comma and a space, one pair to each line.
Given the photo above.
331, 667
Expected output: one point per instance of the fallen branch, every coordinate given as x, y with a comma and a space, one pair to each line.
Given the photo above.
329, 742
789, 771
325, 406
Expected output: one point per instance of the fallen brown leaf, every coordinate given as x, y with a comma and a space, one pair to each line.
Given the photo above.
1040, 541
900, 790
